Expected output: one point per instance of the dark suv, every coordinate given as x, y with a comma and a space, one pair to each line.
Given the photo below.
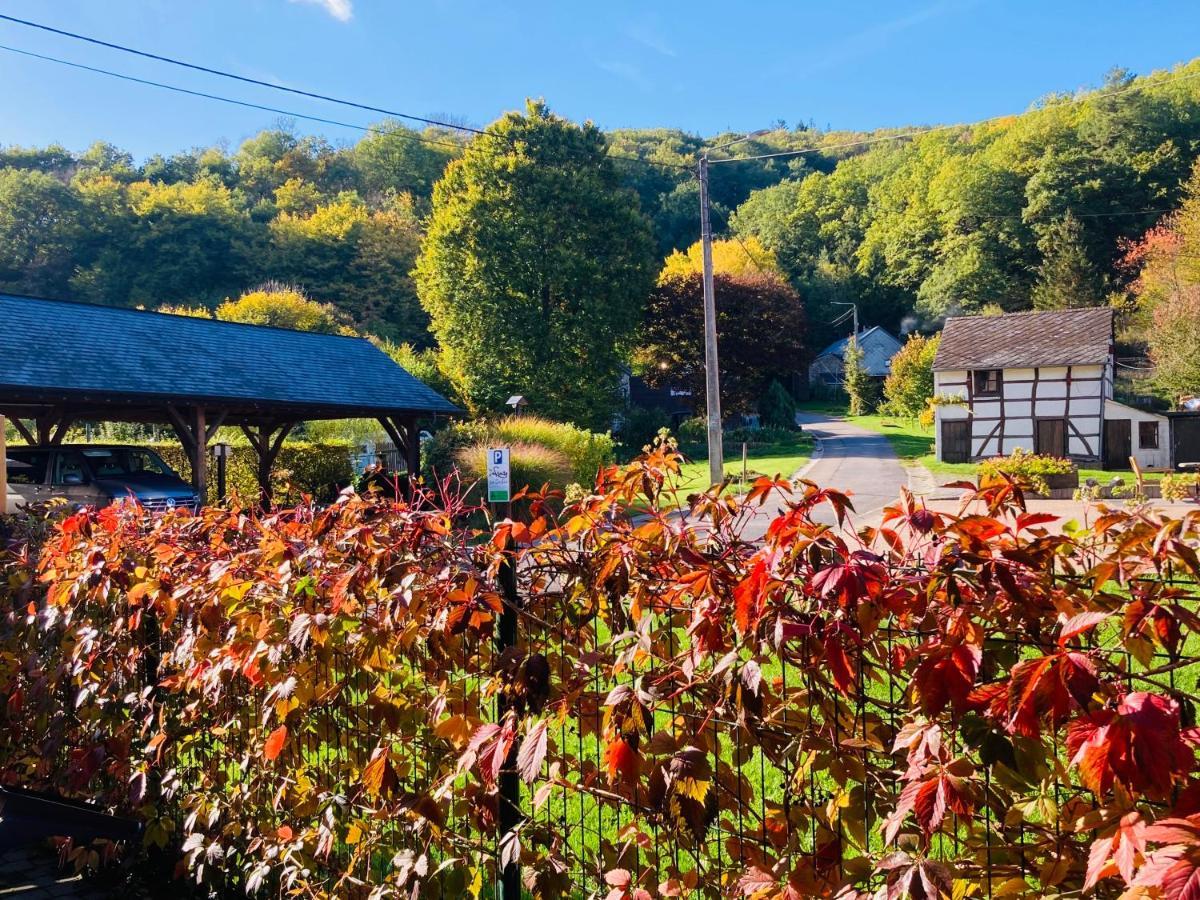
96, 475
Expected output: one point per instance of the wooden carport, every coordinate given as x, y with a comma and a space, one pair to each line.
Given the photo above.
63, 362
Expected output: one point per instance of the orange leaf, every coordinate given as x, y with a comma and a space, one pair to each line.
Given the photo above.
274, 745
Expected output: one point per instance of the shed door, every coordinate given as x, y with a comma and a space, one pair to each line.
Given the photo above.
1051, 437
1118, 443
956, 441
1185, 439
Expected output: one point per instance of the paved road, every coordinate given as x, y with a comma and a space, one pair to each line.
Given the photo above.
852, 459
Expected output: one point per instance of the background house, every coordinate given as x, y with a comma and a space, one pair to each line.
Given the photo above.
878, 347
1041, 381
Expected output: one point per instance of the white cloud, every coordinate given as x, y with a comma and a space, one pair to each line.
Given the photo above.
342, 10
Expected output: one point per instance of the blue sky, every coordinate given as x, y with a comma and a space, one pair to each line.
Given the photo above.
701, 66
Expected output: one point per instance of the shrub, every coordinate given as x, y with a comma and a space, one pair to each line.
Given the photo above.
585, 451
531, 465
777, 408
1031, 467
639, 425
320, 470
1177, 486
312, 704
694, 430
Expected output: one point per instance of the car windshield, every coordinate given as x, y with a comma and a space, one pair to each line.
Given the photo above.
124, 463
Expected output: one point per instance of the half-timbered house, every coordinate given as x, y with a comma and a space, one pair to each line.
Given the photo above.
1041, 381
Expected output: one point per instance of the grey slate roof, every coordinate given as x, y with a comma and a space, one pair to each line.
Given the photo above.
878, 347
1019, 340
83, 349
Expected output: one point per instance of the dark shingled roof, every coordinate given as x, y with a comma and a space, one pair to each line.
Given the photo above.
1018, 340
62, 348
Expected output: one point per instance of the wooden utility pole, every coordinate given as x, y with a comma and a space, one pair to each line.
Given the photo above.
712, 378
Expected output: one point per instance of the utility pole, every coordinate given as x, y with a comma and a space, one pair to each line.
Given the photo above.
712, 377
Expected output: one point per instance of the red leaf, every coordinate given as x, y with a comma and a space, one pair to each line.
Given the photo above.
621, 759
839, 663
1138, 744
748, 598
533, 751
274, 745
1077, 625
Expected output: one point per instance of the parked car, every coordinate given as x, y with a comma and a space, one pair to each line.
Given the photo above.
95, 475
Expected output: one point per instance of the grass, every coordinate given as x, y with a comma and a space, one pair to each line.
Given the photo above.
782, 458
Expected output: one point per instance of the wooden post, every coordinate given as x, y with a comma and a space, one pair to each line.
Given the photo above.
4, 471
510, 816
200, 455
267, 441
412, 449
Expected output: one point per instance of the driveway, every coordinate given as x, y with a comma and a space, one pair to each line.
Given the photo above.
851, 459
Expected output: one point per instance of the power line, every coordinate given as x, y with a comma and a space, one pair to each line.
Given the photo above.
408, 136
1137, 86
312, 95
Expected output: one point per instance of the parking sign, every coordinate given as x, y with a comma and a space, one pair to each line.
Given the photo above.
499, 480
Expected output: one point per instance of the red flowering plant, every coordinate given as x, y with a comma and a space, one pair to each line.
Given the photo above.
313, 702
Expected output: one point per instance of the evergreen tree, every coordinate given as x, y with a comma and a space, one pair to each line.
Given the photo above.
1067, 277
861, 388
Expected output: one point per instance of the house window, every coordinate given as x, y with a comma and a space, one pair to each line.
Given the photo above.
987, 382
1148, 435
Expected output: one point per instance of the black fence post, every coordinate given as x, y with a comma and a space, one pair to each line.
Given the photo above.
510, 782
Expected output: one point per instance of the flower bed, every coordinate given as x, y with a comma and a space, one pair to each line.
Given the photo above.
1045, 475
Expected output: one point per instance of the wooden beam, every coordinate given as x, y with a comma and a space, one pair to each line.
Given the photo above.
60, 431
182, 428
393, 432
24, 430
218, 420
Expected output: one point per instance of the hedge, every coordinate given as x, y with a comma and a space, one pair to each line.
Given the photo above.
320, 470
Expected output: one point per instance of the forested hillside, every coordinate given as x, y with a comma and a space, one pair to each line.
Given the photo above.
1034, 209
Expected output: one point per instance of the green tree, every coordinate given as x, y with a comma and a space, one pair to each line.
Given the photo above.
39, 232
909, 385
282, 306
777, 409
535, 268
861, 388
1067, 277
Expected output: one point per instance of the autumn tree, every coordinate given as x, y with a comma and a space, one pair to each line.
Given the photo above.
909, 385
535, 268
760, 334
283, 306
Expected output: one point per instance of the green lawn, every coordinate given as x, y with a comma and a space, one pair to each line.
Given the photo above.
784, 458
